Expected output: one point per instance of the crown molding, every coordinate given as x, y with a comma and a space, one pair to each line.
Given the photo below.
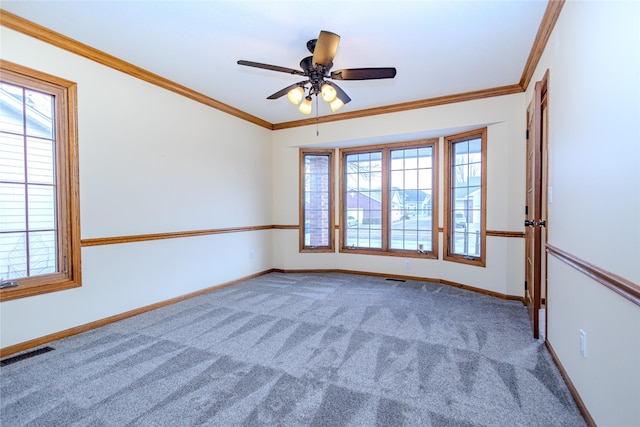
46, 35
542, 37
405, 106
53, 38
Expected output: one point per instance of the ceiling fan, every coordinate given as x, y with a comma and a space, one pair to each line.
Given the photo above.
317, 70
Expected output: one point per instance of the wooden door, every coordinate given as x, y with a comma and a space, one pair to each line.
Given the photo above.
533, 211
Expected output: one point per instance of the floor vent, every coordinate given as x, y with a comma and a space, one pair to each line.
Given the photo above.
395, 280
27, 355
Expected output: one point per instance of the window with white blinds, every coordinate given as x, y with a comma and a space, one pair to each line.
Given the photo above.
28, 230
39, 226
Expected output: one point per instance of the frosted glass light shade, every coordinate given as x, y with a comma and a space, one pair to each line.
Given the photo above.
336, 104
295, 95
306, 106
328, 92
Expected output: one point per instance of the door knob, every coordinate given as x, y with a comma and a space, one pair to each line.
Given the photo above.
528, 223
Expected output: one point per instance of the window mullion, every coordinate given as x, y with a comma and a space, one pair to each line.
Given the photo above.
385, 226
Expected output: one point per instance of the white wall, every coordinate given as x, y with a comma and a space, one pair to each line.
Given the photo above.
151, 161
594, 172
505, 118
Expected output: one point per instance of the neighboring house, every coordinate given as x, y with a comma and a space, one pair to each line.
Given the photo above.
366, 206
469, 198
415, 201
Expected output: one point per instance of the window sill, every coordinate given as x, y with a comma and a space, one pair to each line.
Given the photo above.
322, 249
396, 253
463, 259
33, 287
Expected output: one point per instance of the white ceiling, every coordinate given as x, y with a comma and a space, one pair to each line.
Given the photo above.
438, 47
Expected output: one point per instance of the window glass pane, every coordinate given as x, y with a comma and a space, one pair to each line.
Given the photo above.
42, 207
363, 200
466, 194
396, 159
13, 255
317, 203
12, 207
42, 253
38, 109
376, 180
409, 199
461, 151
425, 159
40, 161
425, 178
376, 161
475, 172
467, 243
11, 111
28, 196
410, 158
11, 158
364, 236
475, 150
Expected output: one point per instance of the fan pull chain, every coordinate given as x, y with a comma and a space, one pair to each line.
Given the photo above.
317, 127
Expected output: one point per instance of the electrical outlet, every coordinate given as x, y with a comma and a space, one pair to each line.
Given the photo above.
407, 264
583, 343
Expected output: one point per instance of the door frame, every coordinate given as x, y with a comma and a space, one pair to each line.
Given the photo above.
536, 196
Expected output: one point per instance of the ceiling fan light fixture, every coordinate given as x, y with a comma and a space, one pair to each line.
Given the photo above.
329, 93
336, 104
296, 95
316, 69
306, 106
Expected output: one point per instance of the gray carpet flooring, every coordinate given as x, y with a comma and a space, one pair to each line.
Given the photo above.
300, 350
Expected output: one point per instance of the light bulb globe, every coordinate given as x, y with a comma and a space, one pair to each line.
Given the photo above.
336, 104
295, 95
306, 106
328, 92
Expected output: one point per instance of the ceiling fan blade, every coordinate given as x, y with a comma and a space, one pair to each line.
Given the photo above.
364, 73
270, 67
286, 90
325, 48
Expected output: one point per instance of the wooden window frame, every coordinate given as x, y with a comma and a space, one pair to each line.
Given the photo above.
68, 269
448, 162
331, 226
386, 149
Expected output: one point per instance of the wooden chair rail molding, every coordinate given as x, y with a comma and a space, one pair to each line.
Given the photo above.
619, 285
100, 241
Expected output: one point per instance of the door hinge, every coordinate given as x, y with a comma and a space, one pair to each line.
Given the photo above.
527, 136
526, 210
525, 285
